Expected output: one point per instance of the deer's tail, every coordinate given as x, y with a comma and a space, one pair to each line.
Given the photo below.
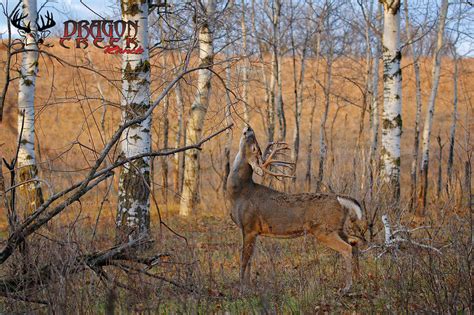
352, 205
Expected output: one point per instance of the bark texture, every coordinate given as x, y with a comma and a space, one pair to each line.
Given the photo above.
133, 213
190, 195
391, 118
30, 193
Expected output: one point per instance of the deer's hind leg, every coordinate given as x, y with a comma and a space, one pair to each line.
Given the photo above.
248, 245
334, 241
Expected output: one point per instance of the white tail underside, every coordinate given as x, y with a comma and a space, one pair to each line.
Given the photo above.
351, 205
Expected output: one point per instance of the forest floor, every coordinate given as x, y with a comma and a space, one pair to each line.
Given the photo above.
199, 272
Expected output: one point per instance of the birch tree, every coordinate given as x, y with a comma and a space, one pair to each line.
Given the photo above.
27, 166
133, 213
392, 100
436, 70
199, 107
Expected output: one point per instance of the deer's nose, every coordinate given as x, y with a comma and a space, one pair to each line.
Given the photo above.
246, 130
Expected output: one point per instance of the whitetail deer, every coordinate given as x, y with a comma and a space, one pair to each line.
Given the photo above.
260, 210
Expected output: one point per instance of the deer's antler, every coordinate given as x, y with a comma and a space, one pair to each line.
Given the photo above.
18, 20
49, 22
268, 159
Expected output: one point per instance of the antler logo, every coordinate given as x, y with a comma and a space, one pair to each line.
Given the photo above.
24, 29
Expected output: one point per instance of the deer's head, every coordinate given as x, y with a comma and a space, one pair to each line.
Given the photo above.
18, 20
261, 162
250, 150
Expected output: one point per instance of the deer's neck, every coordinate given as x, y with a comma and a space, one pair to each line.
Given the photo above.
240, 175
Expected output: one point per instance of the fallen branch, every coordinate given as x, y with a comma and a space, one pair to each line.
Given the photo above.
12, 286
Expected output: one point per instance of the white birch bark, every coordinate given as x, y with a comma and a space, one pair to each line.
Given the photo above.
133, 213
392, 119
190, 197
436, 70
31, 192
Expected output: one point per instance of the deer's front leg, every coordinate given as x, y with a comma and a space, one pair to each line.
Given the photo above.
334, 241
248, 245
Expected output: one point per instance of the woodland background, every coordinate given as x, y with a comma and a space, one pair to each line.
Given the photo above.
77, 109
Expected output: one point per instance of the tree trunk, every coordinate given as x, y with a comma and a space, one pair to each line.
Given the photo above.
309, 161
375, 111
30, 193
133, 214
178, 158
269, 96
272, 100
467, 184
276, 71
431, 107
416, 144
440, 167
245, 68
164, 160
228, 118
279, 103
359, 154
298, 91
190, 196
452, 133
392, 119
322, 127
